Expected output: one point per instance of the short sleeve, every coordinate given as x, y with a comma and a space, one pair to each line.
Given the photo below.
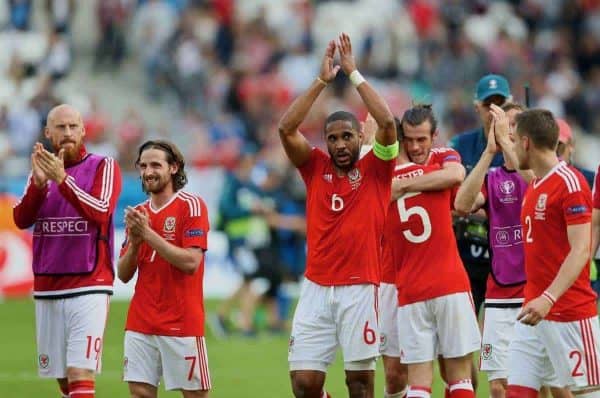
195, 226
577, 207
307, 170
449, 155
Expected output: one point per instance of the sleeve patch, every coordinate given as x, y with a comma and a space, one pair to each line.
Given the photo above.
190, 233
577, 209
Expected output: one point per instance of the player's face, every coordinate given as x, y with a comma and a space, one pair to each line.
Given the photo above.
155, 172
65, 131
343, 143
521, 146
512, 123
417, 141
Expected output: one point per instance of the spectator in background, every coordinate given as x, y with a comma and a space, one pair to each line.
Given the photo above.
112, 17
566, 148
130, 132
491, 89
60, 13
20, 14
57, 62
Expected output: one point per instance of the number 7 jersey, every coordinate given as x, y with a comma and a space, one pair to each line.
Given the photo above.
345, 217
420, 242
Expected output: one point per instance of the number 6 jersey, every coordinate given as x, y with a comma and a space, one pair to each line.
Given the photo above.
345, 217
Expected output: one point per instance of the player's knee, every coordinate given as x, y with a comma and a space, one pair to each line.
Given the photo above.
396, 378
142, 390
497, 388
521, 392
74, 374
358, 387
306, 386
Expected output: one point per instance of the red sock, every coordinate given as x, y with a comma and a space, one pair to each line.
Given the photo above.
461, 389
325, 394
81, 389
446, 392
418, 392
64, 393
520, 392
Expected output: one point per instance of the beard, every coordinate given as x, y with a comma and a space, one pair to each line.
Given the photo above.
71, 153
354, 155
155, 185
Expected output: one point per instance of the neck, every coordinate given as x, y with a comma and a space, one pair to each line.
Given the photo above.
159, 199
82, 152
542, 163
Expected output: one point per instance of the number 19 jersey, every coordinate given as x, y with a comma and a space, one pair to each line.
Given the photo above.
345, 217
423, 248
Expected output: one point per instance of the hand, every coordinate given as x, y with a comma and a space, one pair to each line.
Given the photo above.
534, 311
38, 176
133, 238
137, 222
369, 128
328, 70
346, 57
51, 165
491, 147
501, 124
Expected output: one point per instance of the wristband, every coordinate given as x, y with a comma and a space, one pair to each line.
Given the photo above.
322, 81
548, 296
356, 78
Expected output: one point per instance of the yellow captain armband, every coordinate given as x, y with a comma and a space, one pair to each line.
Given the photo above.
384, 152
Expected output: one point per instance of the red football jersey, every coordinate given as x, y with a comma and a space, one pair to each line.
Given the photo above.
442, 155
345, 217
419, 231
167, 301
551, 204
597, 190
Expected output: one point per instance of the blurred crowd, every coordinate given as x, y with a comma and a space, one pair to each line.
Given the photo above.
227, 69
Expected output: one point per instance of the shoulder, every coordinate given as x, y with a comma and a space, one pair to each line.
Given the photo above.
570, 178
193, 204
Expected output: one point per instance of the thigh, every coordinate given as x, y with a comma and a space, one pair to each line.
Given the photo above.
142, 362
388, 326
86, 320
313, 340
573, 351
50, 337
528, 362
455, 312
184, 363
498, 330
357, 323
417, 333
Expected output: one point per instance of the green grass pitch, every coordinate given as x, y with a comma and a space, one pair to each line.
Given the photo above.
239, 367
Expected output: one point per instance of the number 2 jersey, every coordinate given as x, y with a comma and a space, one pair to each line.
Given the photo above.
167, 301
419, 240
345, 217
551, 204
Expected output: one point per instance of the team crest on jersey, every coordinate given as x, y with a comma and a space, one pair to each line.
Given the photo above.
540, 207
44, 361
486, 351
507, 187
169, 224
355, 178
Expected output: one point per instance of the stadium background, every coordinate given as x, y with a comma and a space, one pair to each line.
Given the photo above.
214, 76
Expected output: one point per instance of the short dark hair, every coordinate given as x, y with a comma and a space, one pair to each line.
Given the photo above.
540, 126
173, 155
509, 106
342, 115
398, 124
416, 115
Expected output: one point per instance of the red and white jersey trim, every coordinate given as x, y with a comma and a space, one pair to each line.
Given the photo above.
75, 290
101, 204
193, 203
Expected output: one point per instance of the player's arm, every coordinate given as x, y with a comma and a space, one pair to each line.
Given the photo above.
295, 144
469, 197
386, 144
26, 209
579, 240
452, 174
128, 261
595, 231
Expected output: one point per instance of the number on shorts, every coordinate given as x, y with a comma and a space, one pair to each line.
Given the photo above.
368, 334
192, 365
97, 347
418, 211
337, 203
576, 372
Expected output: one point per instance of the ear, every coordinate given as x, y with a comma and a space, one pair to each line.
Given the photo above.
434, 136
46, 132
174, 168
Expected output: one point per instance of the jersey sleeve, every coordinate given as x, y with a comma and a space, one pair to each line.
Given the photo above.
26, 209
195, 225
597, 190
449, 155
384, 169
307, 170
576, 207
